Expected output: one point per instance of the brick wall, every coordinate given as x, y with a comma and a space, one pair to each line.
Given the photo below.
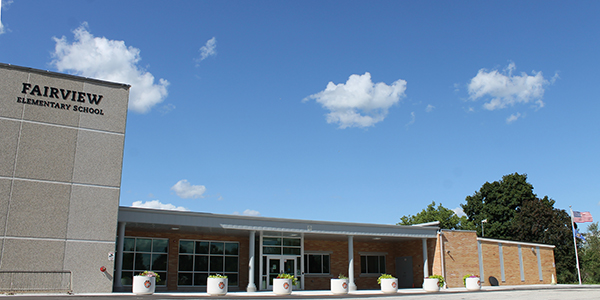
548, 266
461, 258
174, 238
512, 271
459, 249
491, 262
339, 260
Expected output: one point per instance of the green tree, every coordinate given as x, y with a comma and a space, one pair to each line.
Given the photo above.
447, 218
589, 255
514, 212
539, 222
498, 203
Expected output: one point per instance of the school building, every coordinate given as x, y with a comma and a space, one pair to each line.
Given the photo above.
61, 154
186, 247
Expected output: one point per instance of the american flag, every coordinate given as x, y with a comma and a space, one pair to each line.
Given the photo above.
582, 217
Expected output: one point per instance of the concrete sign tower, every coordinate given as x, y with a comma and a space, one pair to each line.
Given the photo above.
61, 153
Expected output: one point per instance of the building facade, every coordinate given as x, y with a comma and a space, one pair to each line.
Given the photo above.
496, 262
186, 247
61, 150
61, 153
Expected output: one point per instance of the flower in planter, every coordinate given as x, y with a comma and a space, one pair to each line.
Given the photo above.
342, 276
151, 274
217, 276
288, 276
384, 276
468, 276
440, 279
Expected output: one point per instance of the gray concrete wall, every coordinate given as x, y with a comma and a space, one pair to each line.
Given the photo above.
61, 153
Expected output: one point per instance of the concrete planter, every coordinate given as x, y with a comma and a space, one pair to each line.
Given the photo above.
282, 286
389, 285
144, 285
216, 286
430, 285
339, 286
473, 284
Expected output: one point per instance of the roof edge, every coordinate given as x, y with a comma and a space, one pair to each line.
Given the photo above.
63, 75
514, 242
241, 217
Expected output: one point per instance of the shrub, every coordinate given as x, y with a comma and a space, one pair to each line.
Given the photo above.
440, 279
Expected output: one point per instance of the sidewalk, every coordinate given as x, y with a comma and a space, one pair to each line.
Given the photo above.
325, 294
366, 293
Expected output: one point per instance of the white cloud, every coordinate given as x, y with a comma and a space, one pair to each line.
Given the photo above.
185, 190
1, 26
506, 89
359, 102
110, 60
209, 49
3, 4
513, 118
248, 212
459, 211
456, 87
429, 108
167, 108
155, 204
554, 78
412, 119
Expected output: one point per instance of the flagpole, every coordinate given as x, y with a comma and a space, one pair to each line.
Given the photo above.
575, 243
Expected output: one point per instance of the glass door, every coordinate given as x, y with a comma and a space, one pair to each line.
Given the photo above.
283, 264
274, 269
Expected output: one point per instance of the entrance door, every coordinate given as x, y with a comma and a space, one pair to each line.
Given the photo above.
404, 271
283, 264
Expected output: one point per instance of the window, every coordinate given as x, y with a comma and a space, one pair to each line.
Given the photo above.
198, 259
316, 263
372, 264
282, 245
141, 254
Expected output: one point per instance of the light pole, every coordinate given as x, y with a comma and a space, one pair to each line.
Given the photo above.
483, 228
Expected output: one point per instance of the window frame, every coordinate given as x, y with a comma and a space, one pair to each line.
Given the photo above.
133, 270
307, 263
364, 260
210, 257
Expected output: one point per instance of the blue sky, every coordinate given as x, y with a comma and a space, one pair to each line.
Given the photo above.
360, 111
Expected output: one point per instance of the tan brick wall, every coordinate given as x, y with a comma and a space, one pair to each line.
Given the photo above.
512, 272
463, 259
436, 259
174, 238
530, 264
460, 256
491, 263
548, 266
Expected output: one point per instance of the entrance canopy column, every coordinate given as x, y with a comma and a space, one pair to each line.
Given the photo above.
251, 286
119, 256
425, 260
351, 284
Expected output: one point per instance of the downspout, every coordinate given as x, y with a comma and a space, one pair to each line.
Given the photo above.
441, 241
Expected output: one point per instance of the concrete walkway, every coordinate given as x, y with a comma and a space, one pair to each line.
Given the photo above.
375, 293
530, 292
